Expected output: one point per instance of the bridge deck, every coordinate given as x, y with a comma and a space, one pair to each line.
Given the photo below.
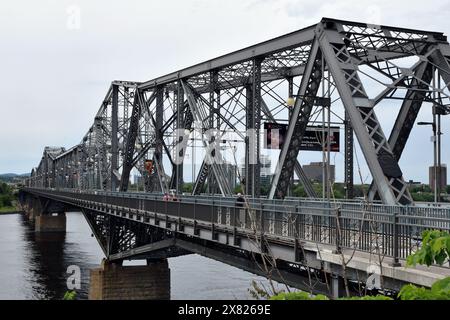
296, 232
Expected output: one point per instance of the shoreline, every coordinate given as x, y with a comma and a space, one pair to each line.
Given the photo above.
12, 211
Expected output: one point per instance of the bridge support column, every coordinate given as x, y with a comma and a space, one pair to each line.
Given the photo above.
112, 281
29, 207
50, 223
337, 286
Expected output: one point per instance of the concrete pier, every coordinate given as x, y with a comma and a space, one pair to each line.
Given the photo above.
112, 281
50, 223
337, 286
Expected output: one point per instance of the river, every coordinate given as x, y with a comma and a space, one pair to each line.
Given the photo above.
33, 266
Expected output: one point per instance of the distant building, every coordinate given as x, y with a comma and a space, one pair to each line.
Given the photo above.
314, 171
265, 169
137, 179
443, 175
230, 171
412, 183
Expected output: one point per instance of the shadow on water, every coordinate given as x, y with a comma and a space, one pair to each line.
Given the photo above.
50, 254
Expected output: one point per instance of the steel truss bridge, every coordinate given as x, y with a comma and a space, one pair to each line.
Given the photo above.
339, 62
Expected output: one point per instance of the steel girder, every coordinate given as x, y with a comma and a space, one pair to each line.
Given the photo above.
298, 122
117, 235
375, 147
408, 114
349, 189
131, 140
212, 157
234, 83
114, 137
253, 126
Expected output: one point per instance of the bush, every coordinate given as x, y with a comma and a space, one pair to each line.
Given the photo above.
440, 290
423, 197
298, 295
70, 295
435, 249
377, 297
5, 200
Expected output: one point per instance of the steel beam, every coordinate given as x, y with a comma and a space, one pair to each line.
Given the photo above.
407, 115
253, 126
375, 147
284, 42
297, 123
349, 189
212, 157
180, 126
114, 135
132, 135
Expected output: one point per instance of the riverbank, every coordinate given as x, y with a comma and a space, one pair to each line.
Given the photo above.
9, 210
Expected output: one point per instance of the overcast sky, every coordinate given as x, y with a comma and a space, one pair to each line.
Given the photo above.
55, 70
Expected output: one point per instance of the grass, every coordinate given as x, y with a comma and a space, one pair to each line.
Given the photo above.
8, 209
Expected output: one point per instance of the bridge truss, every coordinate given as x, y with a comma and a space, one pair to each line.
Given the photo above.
344, 68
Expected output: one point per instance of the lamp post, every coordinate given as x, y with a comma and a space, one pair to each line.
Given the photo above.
437, 177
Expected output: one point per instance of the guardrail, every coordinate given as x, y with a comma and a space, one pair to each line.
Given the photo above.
393, 231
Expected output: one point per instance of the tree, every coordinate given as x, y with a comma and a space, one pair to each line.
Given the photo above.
435, 249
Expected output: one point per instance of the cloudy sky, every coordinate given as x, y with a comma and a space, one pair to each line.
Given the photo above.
55, 69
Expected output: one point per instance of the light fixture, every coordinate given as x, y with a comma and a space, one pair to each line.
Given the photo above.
290, 102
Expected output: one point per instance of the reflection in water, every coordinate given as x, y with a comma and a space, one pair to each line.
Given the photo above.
34, 265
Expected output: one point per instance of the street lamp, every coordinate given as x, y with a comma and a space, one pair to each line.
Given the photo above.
437, 177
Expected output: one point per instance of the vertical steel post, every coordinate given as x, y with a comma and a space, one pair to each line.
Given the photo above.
159, 123
290, 81
349, 190
212, 80
180, 126
114, 136
253, 124
395, 236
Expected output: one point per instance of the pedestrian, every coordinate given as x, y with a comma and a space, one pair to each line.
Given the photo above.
240, 200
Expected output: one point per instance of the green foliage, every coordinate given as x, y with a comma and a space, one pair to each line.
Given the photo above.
420, 188
188, 187
299, 191
377, 297
435, 249
70, 295
301, 295
298, 295
6, 195
258, 292
447, 189
440, 290
265, 190
422, 196
238, 189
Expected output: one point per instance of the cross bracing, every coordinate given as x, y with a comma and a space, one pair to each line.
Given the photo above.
337, 61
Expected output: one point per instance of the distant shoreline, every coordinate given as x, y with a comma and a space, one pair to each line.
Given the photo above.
12, 212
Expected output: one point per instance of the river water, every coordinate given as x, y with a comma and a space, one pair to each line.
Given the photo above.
34, 266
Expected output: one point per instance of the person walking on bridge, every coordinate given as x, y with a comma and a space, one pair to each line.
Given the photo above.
240, 200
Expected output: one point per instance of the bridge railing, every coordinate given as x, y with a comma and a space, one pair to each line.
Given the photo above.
393, 231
